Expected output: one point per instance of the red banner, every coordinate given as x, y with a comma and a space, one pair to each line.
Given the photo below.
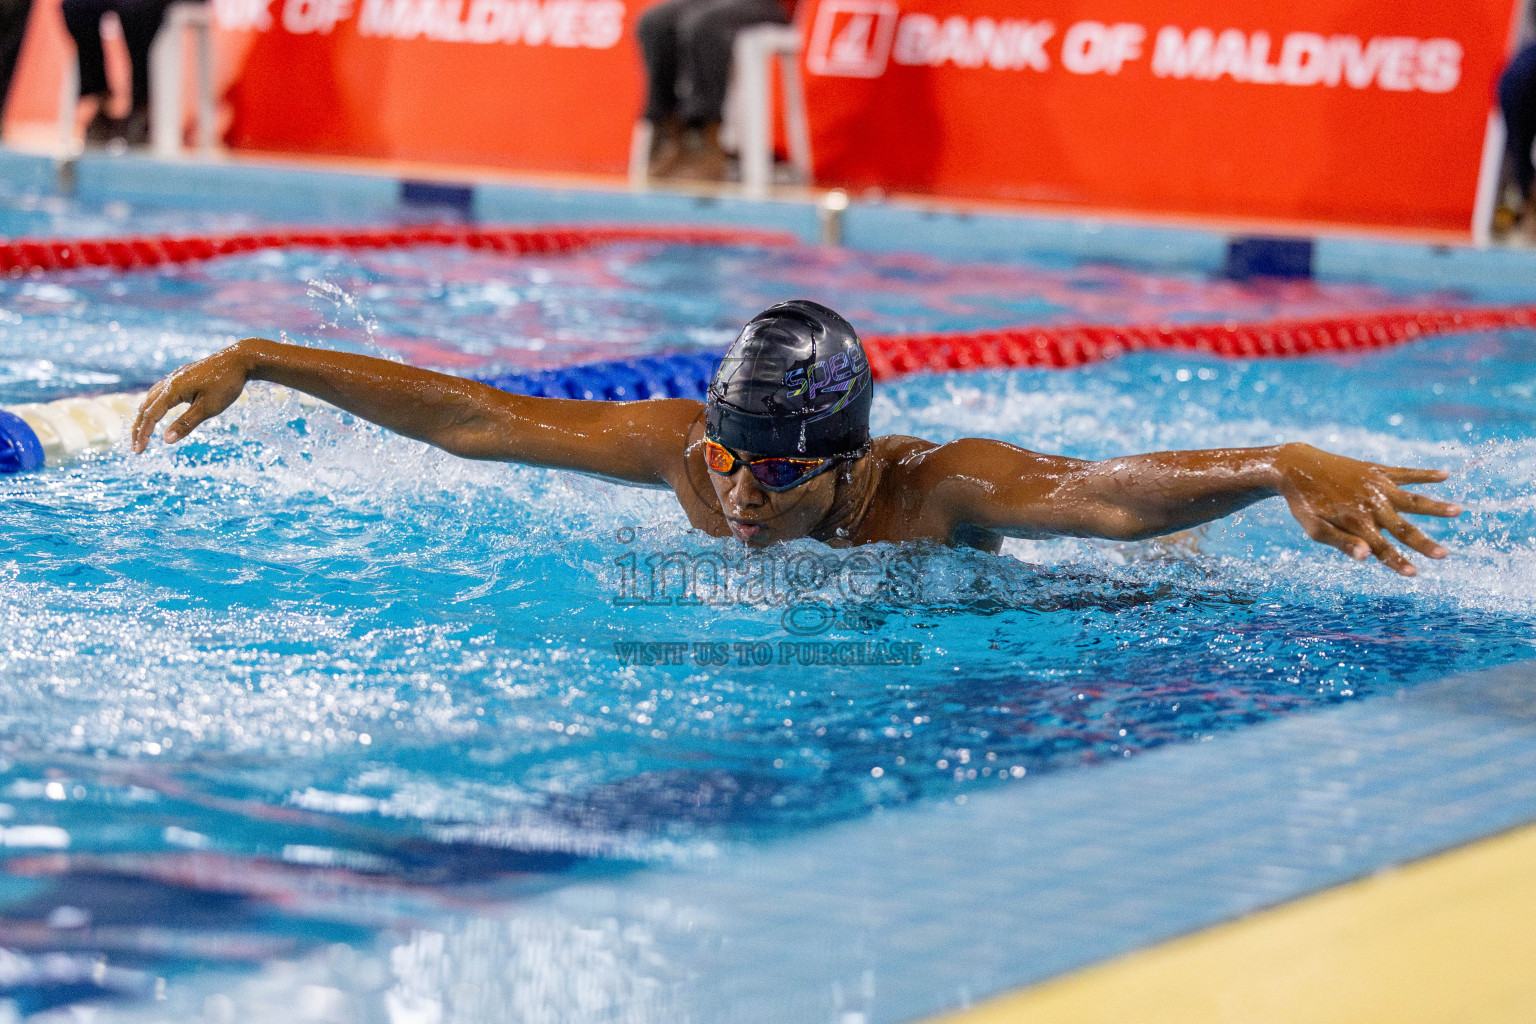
1334, 111
1304, 109
549, 85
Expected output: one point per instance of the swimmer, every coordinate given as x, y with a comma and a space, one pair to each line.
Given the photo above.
781, 450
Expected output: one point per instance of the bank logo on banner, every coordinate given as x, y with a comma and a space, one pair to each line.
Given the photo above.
852, 38
860, 38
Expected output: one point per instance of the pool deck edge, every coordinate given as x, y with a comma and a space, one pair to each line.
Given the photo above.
1450, 937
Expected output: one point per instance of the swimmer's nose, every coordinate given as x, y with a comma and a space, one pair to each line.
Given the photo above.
745, 492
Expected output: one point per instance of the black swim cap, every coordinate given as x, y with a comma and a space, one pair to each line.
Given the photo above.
794, 384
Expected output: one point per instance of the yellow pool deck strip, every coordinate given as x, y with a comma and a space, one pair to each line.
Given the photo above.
1447, 939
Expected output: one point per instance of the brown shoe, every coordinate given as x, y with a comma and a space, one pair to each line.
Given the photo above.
667, 148
703, 159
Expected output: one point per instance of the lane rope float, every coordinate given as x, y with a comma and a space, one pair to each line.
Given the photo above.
137, 252
1065, 347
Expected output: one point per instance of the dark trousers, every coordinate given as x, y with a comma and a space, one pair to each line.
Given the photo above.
13, 28
686, 45
141, 20
1517, 98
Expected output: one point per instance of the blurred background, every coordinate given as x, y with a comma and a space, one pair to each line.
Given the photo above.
1303, 113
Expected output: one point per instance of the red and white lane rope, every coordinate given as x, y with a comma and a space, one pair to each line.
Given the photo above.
23, 256
1063, 347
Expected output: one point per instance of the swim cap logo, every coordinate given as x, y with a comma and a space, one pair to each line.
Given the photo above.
836, 373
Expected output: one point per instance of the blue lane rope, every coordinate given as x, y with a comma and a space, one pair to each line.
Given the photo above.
682, 375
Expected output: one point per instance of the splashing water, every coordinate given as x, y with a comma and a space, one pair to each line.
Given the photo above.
296, 661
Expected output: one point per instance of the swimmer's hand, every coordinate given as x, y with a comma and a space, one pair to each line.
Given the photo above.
1350, 505
207, 387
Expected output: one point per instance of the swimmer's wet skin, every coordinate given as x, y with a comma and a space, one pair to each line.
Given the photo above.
781, 450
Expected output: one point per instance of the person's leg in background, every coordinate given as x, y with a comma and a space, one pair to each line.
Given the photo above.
83, 19
141, 20
13, 29
658, 34
1517, 100
708, 33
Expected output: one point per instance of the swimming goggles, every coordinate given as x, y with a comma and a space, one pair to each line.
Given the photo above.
774, 474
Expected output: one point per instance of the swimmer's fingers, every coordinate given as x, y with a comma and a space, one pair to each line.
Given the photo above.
1421, 505
1410, 475
209, 387
1361, 525
198, 411
1409, 534
163, 399
151, 412
1326, 533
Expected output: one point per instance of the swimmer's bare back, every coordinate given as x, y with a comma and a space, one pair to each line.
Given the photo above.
905, 489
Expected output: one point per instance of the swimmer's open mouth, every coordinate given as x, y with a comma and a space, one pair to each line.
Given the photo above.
744, 528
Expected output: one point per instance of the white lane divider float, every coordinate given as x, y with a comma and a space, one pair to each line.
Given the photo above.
40, 434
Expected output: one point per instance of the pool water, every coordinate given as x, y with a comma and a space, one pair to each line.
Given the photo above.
297, 685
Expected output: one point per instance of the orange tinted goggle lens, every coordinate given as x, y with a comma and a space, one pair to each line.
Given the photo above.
720, 460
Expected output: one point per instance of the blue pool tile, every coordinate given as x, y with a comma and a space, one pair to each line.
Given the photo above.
1495, 274
961, 235
277, 192
26, 172
521, 204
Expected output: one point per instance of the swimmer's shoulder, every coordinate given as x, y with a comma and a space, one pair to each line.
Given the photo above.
898, 458
925, 484
896, 450
917, 462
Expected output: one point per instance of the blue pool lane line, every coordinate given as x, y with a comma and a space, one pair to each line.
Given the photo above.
680, 375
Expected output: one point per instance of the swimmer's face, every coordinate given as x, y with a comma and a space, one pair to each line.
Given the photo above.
758, 516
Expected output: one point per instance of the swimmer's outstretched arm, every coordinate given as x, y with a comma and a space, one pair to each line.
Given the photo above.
1338, 501
635, 442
